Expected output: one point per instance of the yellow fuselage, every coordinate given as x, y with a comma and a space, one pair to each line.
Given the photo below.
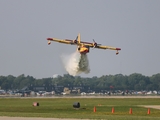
83, 50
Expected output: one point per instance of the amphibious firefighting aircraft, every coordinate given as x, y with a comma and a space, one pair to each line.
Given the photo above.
82, 47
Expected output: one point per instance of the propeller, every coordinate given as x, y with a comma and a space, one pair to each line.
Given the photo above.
76, 37
95, 44
74, 41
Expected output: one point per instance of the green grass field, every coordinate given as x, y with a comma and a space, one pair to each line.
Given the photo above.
63, 108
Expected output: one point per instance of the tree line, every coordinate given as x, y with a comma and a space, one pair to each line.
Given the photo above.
133, 81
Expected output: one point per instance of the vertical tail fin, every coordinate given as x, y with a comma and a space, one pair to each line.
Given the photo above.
79, 38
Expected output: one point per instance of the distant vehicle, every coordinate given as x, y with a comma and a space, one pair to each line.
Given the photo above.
2, 92
82, 47
83, 93
63, 93
148, 93
92, 93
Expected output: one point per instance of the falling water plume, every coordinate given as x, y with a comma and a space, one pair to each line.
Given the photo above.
76, 63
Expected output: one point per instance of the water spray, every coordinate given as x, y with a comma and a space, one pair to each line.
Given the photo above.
76, 63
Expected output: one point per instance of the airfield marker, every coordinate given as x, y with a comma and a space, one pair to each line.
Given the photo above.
148, 112
112, 109
130, 111
94, 109
35, 104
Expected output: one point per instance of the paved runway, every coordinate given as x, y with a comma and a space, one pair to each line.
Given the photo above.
33, 118
95, 97
85, 96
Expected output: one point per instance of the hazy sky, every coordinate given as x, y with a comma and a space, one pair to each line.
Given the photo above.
132, 25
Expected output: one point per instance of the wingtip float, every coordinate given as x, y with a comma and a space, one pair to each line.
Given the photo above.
82, 47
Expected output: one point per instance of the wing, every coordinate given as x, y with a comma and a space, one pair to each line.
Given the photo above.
95, 45
65, 41
108, 47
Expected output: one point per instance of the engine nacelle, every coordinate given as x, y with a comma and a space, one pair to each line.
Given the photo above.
75, 41
94, 44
